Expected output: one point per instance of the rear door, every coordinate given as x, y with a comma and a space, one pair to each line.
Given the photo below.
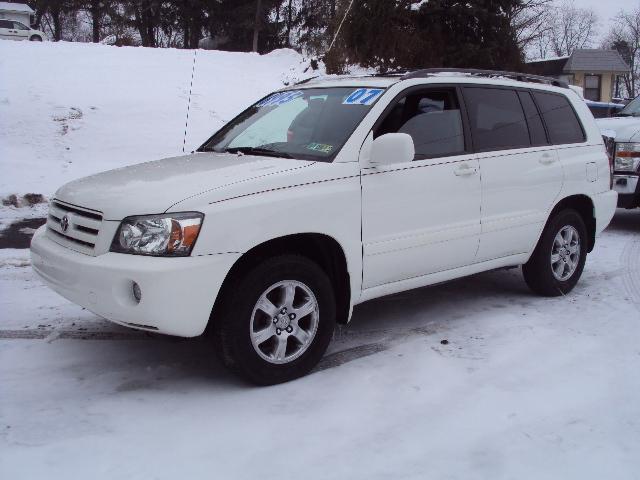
422, 216
521, 174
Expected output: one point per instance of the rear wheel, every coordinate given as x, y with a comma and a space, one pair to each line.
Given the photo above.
278, 321
558, 260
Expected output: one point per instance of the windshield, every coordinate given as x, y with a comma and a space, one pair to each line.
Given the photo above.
308, 124
632, 109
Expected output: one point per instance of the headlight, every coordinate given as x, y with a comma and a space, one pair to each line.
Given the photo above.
627, 157
172, 235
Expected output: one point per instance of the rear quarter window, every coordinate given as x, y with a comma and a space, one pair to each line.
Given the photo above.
562, 122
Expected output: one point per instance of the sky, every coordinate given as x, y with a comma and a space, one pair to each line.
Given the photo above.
607, 9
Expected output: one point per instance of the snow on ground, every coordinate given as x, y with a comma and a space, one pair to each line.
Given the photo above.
68, 110
474, 379
523, 388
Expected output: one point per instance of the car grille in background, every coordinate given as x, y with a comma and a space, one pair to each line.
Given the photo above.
83, 226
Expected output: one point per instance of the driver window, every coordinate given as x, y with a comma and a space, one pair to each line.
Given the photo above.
432, 118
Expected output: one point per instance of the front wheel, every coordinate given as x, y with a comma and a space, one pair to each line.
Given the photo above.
558, 260
278, 321
35, 38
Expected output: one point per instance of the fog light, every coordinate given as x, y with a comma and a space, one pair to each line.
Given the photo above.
137, 293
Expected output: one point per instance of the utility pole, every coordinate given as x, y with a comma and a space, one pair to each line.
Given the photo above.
256, 25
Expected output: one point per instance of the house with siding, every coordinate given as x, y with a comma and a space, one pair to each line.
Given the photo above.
596, 71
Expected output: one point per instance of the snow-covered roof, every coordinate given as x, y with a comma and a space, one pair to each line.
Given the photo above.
15, 7
548, 59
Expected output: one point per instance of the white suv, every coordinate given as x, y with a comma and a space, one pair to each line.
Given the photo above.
328, 194
12, 30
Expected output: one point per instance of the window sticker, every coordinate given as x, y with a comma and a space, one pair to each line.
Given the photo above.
363, 96
320, 147
279, 98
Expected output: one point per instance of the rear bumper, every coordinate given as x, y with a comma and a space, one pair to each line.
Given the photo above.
177, 293
628, 188
604, 208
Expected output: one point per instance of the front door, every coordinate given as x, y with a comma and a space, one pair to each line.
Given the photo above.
423, 216
21, 31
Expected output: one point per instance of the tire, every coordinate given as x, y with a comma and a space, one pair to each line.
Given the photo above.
249, 341
559, 239
35, 38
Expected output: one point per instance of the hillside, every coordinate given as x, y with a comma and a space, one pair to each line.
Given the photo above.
72, 109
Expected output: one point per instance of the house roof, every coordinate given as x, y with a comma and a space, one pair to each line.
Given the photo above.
551, 68
583, 60
15, 7
595, 60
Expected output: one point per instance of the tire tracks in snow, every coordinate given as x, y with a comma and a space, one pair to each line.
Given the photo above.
346, 354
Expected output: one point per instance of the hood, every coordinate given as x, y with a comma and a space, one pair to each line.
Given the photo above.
627, 129
154, 187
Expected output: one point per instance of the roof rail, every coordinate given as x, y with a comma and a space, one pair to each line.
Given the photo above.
521, 77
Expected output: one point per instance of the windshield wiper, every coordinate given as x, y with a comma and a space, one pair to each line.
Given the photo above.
267, 152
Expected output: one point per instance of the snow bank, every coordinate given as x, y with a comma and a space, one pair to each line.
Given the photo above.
70, 109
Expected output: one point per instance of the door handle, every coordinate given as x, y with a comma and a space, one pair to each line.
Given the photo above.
547, 159
465, 170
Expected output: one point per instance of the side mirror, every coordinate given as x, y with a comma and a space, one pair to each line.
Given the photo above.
392, 148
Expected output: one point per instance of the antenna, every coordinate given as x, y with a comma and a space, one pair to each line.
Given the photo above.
339, 27
186, 123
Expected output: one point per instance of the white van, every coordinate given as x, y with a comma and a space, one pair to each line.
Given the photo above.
328, 194
14, 30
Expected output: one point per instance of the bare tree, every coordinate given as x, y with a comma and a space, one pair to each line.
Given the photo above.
624, 36
571, 28
530, 20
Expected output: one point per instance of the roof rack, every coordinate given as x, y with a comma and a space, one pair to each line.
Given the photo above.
521, 77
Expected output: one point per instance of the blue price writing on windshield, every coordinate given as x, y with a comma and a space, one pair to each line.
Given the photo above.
363, 96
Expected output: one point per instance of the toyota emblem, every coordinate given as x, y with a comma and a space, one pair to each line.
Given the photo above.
64, 223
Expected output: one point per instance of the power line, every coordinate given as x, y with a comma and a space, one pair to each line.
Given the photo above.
186, 123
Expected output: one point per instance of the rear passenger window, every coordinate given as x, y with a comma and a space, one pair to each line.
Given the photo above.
562, 124
497, 119
534, 121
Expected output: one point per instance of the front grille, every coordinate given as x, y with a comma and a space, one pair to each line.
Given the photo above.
83, 226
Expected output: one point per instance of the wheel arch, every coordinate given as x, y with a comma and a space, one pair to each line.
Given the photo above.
323, 249
584, 205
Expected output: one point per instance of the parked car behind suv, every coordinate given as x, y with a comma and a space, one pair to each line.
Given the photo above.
12, 30
328, 194
623, 134
604, 109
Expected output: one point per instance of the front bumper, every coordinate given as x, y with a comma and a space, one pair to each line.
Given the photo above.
177, 293
628, 188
